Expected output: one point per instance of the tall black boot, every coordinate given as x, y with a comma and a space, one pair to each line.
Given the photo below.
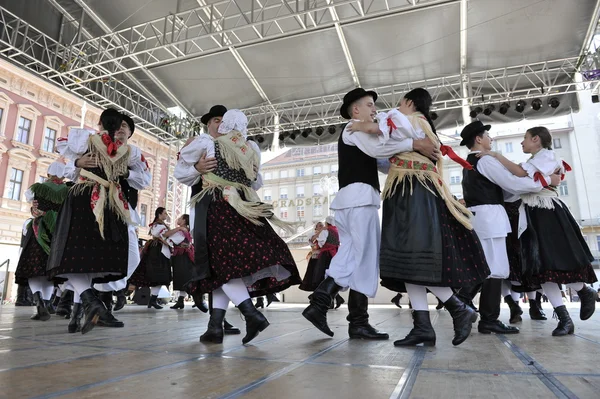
29, 296
587, 297
535, 310
76, 315
214, 331
260, 303
463, 318
396, 300
199, 301
22, 296
320, 300
121, 300
179, 304
50, 303
339, 301
93, 308
272, 298
565, 324
153, 303
358, 317
515, 310
538, 299
422, 331
107, 319
42, 313
55, 301
64, 305
255, 321
228, 329
489, 309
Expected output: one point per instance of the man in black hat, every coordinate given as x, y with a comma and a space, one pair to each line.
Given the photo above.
484, 190
212, 119
356, 265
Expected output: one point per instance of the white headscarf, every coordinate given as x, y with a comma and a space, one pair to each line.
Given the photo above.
57, 169
234, 119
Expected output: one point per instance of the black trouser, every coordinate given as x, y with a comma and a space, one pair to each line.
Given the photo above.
489, 301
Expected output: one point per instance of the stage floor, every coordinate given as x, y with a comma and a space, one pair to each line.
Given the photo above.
158, 355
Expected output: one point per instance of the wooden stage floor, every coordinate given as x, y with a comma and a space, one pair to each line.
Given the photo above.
157, 355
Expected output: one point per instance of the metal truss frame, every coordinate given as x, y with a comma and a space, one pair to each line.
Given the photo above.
28, 47
185, 35
535, 80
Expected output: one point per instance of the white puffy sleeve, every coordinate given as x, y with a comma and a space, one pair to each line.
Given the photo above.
185, 172
76, 143
157, 229
139, 173
397, 126
258, 183
322, 238
71, 171
177, 238
544, 162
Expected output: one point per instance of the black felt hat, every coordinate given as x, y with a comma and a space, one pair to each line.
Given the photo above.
217, 110
352, 96
472, 130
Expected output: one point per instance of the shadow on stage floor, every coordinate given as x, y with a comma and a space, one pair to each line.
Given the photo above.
157, 355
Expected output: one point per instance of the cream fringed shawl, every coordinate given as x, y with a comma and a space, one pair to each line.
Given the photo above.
105, 191
234, 149
406, 165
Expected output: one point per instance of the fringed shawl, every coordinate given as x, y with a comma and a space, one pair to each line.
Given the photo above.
406, 165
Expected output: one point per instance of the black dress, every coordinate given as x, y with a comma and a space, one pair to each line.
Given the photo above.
77, 246
553, 248
513, 248
154, 269
229, 246
423, 244
36, 245
182, 262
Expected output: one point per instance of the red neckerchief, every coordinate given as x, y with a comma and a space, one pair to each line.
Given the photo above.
111, 146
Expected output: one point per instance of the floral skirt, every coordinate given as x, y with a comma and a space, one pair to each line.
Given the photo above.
238, 248
154, 269
33, 259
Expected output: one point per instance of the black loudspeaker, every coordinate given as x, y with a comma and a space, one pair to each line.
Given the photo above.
142, 296
595, 99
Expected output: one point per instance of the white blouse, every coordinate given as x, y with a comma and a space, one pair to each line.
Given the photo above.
157, 231
545, 162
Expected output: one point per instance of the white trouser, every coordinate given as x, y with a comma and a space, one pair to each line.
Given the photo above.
234, 290
41, 285
133, 260
496, 256
356, 264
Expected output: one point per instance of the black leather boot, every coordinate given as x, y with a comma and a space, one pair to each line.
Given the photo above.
42, 313
358, 317
55, 301
515, 310
64, 305
565, 324
422, 332
93, 309
255, 321
396, 300
272, 298
228, 329
538, 299
50, 303
463, 318
107, 319
587, 297
179, 304
214, 331
535, 311
320, 300
121, 300
22, 296
339, 301
440, 305
200, 303
153, 303
260, 303
76, 315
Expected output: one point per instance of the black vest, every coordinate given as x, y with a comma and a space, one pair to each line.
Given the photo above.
355, 166
478, 189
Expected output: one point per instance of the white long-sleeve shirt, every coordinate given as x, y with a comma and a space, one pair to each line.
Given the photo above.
382, 148
491, 221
